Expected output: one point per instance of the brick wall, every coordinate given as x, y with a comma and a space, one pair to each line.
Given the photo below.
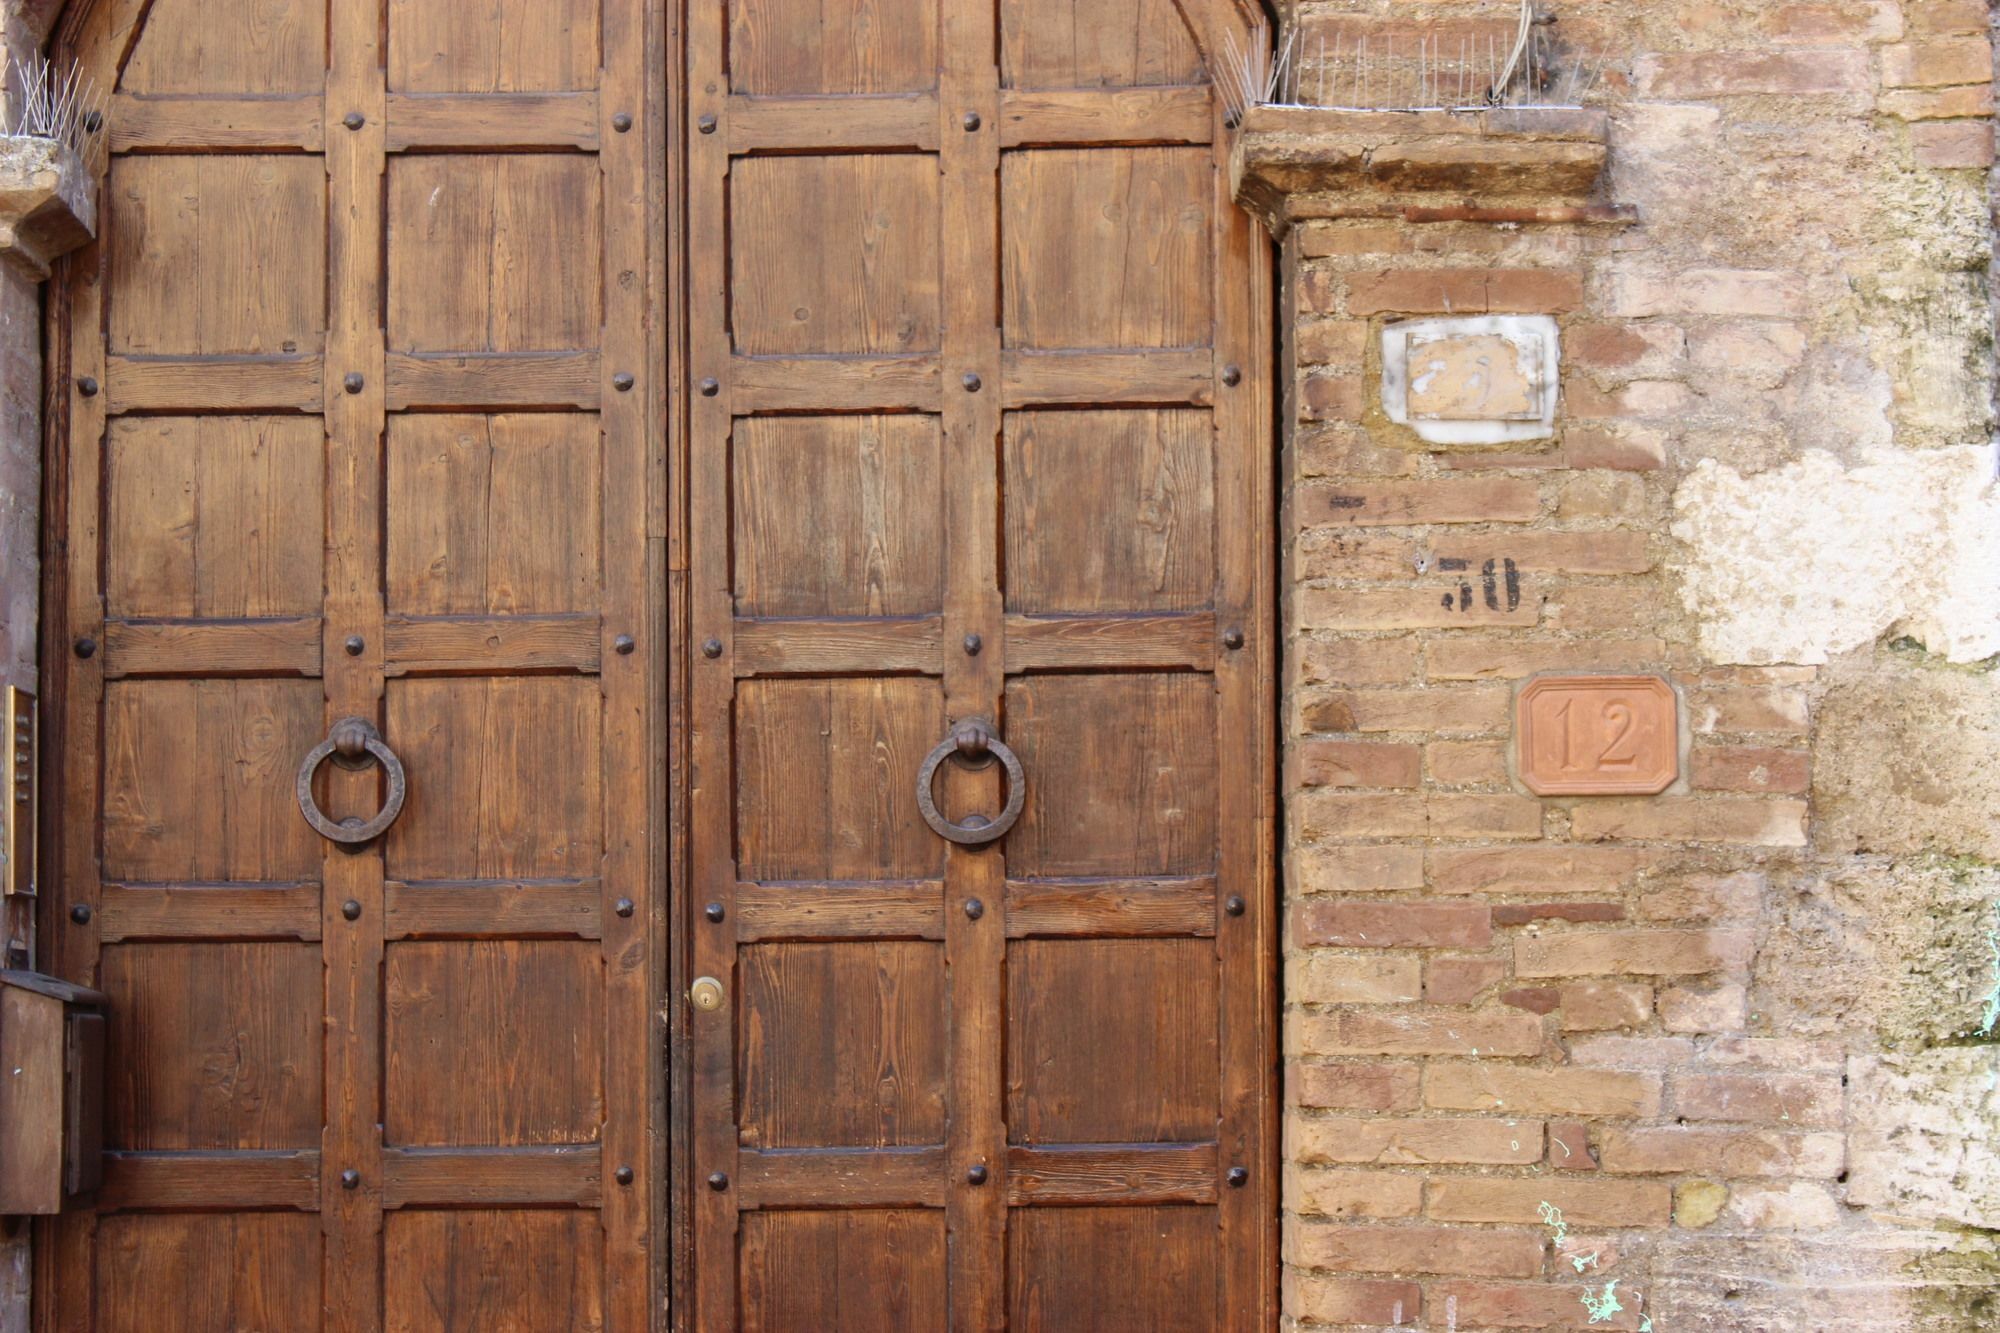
1539, 1047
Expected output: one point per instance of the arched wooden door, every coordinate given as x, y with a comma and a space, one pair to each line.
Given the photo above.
356, 425
981, 431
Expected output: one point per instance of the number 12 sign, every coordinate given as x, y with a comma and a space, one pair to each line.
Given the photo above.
1598, 735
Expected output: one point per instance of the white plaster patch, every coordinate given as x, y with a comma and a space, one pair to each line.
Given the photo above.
1812, 559
1484, 380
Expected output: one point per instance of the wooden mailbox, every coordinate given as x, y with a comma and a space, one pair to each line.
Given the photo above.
51, 1092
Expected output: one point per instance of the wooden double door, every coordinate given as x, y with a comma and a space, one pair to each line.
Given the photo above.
978, 470
661, 691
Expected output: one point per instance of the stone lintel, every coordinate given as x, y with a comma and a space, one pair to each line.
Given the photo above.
1506, 164
48, 204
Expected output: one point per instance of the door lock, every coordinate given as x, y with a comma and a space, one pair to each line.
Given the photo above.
706, 994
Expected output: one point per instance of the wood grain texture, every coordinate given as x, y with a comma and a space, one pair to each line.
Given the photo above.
494, 46
1095, 44
229, 46
878, 1270
218, 1273
1073, 1268
492, 1271
780, 47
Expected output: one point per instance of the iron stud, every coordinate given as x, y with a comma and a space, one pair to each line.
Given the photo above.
714, 912
623, 907
976, 1174
970, 121
974, 909
350, 1179
709, 388
970, 381
353, 383
1238, 1177
354, 120
706, 124
718, 1181
711, 647
623, 381
973, 643
86, 646
351, 910
623, 1175
355, 643
1232, 638
80, 914
621, 122
1232, 376
1233, 904
87, 387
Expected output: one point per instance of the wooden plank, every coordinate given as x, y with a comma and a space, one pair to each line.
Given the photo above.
794, 911
492, 1177
139, 124
1173, 378
1126, 1173
213, 384
209, 911
1053, 643
1108, 907
780, 647
834, 384
493, 120
494, 379
800, 124
487, 909
31, 1101
1066, 117
417, 645
211, 648
849, 1177
198, 1180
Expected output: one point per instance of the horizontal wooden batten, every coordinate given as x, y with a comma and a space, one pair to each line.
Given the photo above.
793, 911
1050, 379
500, 379
415, 645
1055, 643
1125, 1173
805, 124
491, 120
1111, 907
172, 124
834, 384
832, 647
192, 1181
1108, 116
208, 911
478, 909
212, 384
841, 1177
211, 648
467, 1177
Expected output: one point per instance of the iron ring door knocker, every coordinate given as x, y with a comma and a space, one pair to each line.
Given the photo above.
353, 743
972, 742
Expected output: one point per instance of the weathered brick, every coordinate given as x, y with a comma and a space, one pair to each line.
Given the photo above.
1807, 1101
1513, 659
1451, 710
1607, 611
1356, 661
1353, 554
1403, 503
1420, 1032
1704, 898
1464, 291
1354, 1086
1332, 397
1938, 103
1537, 870
1761, 352
1953, 145
1938, 18
1410, 1142
1570, 1148
1625, 448
1321, 762
1632, 1052
1792, 1207
1323, 240
1332, 342
1483, 1251
1359, 869
1704, 1008
1534, 999
1590, 1203
1579, 953
1602, 1006
1738, 293
1701, 74
1681, 1150
1340, 449
1938, 63
1607, 551
1460, 980
1792, 1053
1521, 914
1739, 820
1601, 495
1526, 1305
1469, 816
1749, 708
1319, 291
1466, 763
1410, 608
1635, 347
1638, 400
1375, 924
1315, 976
1569, 1090
1357, 1193
1749, 768
1318, 1299
1831, 24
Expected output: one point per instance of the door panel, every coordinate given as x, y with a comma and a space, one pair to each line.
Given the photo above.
360, 431
981, 432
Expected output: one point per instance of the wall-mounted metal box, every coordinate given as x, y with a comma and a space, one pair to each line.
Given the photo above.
51, 1092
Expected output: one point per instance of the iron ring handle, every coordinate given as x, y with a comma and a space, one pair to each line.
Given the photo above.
351, 743
970, 741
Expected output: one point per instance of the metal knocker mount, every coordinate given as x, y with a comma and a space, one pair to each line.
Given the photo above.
973, 743
354, 744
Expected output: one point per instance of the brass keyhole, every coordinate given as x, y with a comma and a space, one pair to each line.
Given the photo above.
706, 993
